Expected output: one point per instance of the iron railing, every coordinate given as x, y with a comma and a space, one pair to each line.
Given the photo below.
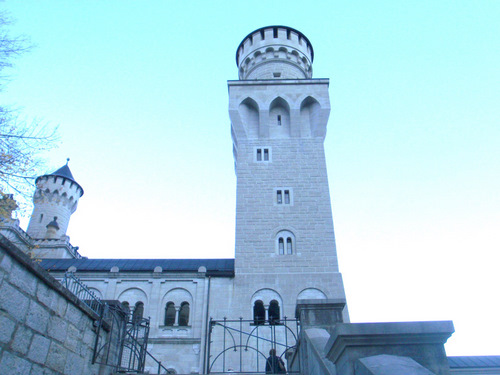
82, 292
243, 346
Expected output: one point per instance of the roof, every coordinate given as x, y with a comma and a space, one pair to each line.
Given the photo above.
215, 267
474, 361
65, 172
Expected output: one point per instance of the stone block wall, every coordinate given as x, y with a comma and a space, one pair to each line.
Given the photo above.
44, 329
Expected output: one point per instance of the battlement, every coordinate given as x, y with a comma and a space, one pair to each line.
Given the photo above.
275, 52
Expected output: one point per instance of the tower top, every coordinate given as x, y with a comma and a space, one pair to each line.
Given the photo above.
275, 52
63, 172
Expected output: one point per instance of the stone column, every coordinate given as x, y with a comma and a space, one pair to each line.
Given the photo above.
177, 309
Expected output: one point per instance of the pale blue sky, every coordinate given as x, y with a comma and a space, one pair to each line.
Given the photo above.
138, 89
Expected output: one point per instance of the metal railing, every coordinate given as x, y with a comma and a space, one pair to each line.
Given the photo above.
243, 346
82, 292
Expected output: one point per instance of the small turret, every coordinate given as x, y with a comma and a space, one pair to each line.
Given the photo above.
55, 199
275, 52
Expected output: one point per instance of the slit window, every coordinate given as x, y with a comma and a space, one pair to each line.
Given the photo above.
275, 32
281, 245
283, 196
262, 154
279, 119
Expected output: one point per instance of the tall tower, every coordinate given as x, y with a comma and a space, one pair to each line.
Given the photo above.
284, 228
55, 199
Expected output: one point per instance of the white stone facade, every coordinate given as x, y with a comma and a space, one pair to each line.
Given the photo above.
285, 244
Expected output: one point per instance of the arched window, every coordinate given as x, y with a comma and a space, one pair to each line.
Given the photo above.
285, 243
126, 308
170, 314
289, 245
259, 313
274, 312
138, 312
184, 314
281, 245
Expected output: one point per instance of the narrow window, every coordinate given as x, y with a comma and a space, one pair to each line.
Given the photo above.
262, 34
287, 196
126, 308
274, 312
266, 154
279, 197
279, 119
41, 218
259, 154
170, 314
275, 32
288, 245
259, 313
138, 312
251, 39
184, 314
288, 34
281, 246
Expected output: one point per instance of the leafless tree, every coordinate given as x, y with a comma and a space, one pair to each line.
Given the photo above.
20, 141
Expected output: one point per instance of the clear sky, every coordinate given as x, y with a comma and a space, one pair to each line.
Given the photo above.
138, 89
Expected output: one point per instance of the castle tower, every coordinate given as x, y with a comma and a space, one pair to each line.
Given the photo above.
55, 199
284, 228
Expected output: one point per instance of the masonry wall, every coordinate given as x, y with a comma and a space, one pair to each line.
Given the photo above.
44, 329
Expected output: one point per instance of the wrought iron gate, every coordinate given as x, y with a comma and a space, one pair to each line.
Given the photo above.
243, 346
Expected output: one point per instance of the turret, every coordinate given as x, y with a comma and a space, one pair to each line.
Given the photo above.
275, 52
55, 199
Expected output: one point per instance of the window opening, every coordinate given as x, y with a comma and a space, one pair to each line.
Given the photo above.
41, 218
259, 154
138, 312
266, 154
275, 32
281, 245
279, 119
259, 313
289, 245
288, 34
184, 314
287, 196
170, 314
126, 308
262, 34
279, 197
274, 312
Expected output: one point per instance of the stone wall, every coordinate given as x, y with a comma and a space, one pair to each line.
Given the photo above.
44, 329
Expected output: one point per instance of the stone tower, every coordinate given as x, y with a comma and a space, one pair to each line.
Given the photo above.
55, 199
284, 228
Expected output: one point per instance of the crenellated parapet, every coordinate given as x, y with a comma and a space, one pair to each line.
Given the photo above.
275, 52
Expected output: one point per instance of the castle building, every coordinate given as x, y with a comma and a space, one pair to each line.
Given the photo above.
201, 310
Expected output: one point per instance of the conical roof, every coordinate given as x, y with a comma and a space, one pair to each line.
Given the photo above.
63, 172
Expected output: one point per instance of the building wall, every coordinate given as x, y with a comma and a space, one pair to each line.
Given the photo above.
44, 329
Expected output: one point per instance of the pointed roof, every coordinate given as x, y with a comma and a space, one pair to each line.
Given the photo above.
63, 172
